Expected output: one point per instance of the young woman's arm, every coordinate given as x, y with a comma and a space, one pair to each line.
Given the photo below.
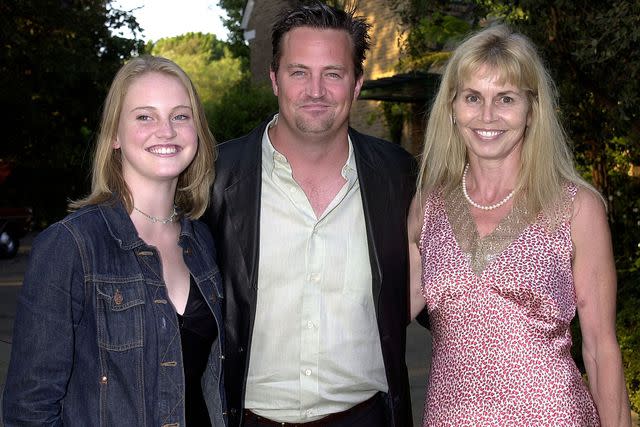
42, 350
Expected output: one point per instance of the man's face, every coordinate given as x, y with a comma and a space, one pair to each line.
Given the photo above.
315, 83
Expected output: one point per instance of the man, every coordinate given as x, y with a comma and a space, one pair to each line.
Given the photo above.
310, 221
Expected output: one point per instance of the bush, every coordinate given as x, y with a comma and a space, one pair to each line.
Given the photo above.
628, 326
241, 108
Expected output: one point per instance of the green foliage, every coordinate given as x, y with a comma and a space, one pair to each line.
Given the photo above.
628, 325
433, 32
205, 59
394, 116
189, 44
234, 9
591, 48
428, 37
241, 108
56, 62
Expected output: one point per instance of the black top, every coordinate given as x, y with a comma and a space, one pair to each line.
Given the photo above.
198, 331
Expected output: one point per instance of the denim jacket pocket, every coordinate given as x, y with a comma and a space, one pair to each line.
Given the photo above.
120, 315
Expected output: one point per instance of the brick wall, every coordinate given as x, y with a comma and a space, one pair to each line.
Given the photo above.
261, 20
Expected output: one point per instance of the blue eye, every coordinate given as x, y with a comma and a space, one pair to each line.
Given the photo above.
181, 117
472, 98
506, 100
143, 117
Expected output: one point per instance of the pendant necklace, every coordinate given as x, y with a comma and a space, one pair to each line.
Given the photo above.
478, 205
167, 220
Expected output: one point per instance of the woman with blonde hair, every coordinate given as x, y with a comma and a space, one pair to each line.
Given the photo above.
506, 241
118, 320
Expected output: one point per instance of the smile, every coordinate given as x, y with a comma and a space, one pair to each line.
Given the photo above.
163, 149
488, 134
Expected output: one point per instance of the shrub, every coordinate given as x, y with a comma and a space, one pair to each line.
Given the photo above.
628, 326
241, 108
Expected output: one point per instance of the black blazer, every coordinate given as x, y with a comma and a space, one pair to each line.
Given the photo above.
387, 183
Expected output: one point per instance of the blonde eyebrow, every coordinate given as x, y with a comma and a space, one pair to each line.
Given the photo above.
506, 92
150, 107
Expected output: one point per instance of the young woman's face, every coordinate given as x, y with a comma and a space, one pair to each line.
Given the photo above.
156, 132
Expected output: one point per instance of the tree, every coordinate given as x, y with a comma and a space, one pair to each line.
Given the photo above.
241, 108
591, 47
234, 9
208, 61
56, 62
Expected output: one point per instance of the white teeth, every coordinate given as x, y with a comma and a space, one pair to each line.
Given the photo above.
488, 133
163, 149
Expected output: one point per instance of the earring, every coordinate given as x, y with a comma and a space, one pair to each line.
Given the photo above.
453, 118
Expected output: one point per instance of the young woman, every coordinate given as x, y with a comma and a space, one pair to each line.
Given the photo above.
118, 321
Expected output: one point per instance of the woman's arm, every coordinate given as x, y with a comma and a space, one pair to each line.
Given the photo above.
595, 283
414, 224
43, 343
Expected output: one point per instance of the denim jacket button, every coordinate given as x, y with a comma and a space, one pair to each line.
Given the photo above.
103, 379
213, 299
118, 298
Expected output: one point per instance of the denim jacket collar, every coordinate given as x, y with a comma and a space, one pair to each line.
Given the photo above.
124, 232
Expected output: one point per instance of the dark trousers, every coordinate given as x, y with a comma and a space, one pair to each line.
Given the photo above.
371, 413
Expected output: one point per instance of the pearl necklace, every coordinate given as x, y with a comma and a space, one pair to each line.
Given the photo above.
167, 220
477, 205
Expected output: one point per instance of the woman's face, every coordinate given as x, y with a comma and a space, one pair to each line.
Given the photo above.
491, 117
156, 132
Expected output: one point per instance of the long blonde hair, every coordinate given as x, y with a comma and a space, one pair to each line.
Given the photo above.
193, 190
546, 159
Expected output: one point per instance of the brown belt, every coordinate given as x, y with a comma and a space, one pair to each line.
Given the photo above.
322, 422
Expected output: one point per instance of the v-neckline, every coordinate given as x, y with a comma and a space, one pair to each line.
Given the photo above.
480, 252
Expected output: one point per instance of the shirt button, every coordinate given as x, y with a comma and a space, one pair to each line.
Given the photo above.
307, 372
310, 324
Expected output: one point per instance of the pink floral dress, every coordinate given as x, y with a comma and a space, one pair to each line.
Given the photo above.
500, 308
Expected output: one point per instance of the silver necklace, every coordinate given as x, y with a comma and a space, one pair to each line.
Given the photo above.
166, 220
478, 205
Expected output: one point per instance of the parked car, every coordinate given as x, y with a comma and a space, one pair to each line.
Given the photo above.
14, 224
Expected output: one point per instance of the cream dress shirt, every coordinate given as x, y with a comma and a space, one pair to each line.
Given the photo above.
315, 348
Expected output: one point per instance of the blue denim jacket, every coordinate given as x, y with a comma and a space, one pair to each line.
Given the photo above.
96, 340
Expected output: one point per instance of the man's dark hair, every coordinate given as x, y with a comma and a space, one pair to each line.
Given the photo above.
315, 14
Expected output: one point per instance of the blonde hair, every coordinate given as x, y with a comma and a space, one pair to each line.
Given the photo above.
546, 159
193, 190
